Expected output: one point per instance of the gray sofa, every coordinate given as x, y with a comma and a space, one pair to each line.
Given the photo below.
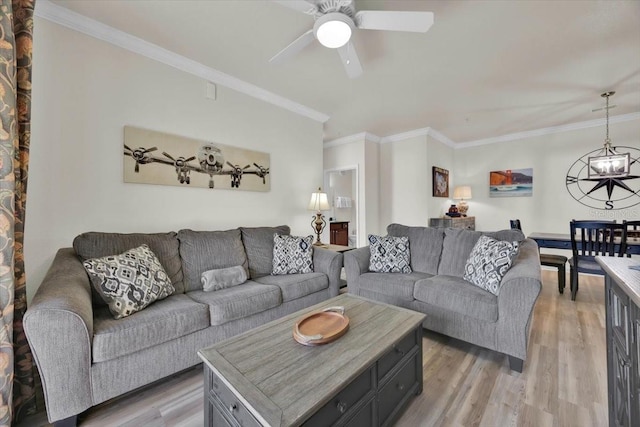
453, 306
86, 357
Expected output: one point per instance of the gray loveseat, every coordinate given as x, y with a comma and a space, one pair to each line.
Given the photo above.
86, 357
453, 306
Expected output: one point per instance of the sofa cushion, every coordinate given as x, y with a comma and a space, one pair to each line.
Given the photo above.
294, 286
163, 321
130, 281
458, 243
399, 285
389, 254
222, 278
292, 254
258, 243
425, 245
456, 294
488, 262
208, 250
164, 245
239, 301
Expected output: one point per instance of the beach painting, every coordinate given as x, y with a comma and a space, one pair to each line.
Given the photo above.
511, 183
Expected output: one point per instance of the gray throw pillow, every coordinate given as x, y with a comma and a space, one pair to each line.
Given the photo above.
292, 254
389, 254
223, 278
488, 262
130, 281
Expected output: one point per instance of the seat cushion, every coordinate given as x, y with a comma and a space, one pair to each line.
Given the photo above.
258, 243
239, 301
587, 265
164, 245
209, 250
294, 286
399, 285
425, 245
171, 318
455, 294
458, 243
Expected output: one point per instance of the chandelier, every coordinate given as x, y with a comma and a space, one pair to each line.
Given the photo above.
609, 164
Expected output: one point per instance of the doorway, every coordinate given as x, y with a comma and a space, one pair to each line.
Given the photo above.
341, 186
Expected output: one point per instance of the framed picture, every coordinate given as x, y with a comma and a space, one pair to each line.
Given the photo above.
440, 182
511, 183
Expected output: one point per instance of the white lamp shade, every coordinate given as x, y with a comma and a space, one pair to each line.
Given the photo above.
319, 202
462, 192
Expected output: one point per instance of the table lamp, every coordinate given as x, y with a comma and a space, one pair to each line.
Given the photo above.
319, 202
462, 192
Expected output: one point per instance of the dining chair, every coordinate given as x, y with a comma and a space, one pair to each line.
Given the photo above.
588, 240
549, 260
631, 231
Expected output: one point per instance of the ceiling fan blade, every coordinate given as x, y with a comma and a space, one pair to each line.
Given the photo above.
294, 47
299, 5
350, 60
418, 22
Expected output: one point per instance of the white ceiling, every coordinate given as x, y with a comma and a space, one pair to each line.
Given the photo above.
485, 68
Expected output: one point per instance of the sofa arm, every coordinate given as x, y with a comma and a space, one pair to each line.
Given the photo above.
518, 294
329, 263
356, 262
59, 328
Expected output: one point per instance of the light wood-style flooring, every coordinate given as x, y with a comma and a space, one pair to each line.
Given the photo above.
564, 382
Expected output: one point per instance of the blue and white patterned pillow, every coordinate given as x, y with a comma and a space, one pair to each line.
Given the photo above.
130, 281
292, 254
488, 262
389, 254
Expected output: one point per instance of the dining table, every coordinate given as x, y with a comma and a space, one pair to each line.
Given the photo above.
563, 241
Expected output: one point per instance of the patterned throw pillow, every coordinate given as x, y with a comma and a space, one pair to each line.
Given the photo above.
292, 254
389, 254
130, 281
488, 262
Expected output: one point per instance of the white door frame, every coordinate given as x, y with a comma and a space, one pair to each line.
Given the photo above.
358, 197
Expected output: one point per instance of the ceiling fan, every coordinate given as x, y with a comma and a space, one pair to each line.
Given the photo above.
337, 19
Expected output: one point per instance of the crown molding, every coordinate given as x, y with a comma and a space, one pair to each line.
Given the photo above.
549, 131
405, 135
362, 136
441, 138
77, 22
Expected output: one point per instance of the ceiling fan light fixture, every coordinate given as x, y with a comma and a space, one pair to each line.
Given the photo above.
333, 30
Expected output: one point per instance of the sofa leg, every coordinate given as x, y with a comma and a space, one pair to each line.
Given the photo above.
67, 422
516, 364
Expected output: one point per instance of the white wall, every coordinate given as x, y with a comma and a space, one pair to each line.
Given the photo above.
551, 207
85, 91
406, 180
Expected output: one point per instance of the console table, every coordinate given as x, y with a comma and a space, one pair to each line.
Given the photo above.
622, 305
563, 241
468, 222
365, 378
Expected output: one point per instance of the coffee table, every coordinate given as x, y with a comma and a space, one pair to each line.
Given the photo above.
365, 378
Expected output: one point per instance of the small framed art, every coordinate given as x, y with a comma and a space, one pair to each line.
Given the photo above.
440, 182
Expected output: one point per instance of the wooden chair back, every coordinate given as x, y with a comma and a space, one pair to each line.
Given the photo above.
630, 231
595, 238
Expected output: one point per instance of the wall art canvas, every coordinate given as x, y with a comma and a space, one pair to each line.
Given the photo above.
511, 183
152, 157
440, 182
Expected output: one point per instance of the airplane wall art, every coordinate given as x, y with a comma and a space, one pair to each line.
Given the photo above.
152, 157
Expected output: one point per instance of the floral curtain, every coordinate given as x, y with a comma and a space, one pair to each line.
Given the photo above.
17, 392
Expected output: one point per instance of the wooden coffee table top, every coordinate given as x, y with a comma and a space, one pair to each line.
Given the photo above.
283, 382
